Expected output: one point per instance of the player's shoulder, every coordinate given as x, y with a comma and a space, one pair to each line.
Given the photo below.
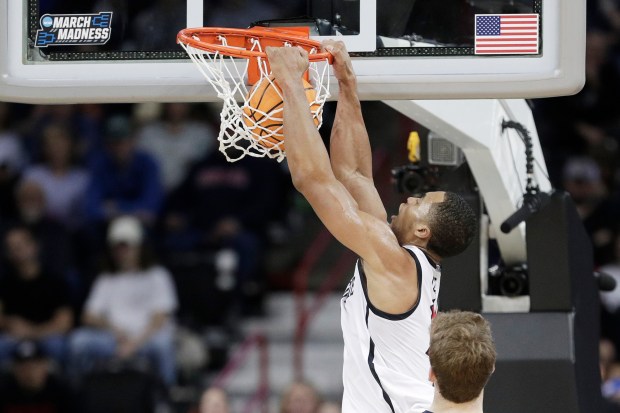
398, 270
384, 252
421, 256
402, 262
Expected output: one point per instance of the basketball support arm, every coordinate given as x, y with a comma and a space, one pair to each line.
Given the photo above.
496, 157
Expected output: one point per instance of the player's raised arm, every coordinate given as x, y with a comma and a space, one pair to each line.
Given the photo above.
350, 152
369, 237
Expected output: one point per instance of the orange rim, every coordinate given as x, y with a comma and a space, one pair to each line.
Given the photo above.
204, 38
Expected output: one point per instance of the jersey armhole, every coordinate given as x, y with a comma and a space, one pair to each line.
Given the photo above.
383, 314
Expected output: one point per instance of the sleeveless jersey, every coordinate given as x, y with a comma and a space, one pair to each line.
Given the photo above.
385, 362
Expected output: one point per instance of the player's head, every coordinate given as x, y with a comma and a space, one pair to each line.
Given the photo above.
462, 355
442, 222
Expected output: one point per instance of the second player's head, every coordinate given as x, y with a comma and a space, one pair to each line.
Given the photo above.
442, 222
462, 355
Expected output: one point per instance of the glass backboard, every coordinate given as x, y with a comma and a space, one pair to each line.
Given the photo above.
69, 51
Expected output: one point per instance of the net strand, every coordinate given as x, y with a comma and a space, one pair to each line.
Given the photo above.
241, 135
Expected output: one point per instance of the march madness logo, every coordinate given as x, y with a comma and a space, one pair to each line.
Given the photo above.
74, 29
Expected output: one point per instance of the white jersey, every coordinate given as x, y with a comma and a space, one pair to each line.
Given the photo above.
385, 362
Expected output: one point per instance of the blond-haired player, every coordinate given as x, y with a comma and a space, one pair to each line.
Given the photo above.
462, 355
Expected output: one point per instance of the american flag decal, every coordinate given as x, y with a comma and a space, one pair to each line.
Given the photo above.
507, 34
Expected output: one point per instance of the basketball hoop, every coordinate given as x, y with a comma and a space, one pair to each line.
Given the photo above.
232, 60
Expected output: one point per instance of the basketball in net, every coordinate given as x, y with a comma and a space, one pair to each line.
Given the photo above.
232, 59
263, 112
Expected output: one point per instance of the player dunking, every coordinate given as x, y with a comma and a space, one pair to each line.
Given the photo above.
388, 306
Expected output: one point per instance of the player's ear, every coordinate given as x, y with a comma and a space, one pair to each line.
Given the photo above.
422, 230
431, 376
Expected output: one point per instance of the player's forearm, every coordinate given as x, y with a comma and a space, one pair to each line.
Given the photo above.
349, 145
307, 156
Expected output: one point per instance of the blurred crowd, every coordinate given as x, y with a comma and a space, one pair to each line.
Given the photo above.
298, 397
118, 225
124, 233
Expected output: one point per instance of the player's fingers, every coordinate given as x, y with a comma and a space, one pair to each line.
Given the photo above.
302, 55
339, 44
336, 47
302, 51
333, 44
271, 51
328, 45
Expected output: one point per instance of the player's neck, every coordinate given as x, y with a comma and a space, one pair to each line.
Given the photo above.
411, 238
423, 246
436, 258
441, 405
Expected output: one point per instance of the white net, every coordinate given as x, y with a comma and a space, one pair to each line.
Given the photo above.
245, 128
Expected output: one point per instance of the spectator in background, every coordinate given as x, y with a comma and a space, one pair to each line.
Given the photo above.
582, 180
31, 387
55, 252
224, 206
39, 117
9, 138
329, 407
58, 219
610, 375
176, 142
129, 312
11, 162
124, 181
84, 121
89, 134
214, 400
610, 301
607, 358
34, 304
300, 397
9, 177
63, 182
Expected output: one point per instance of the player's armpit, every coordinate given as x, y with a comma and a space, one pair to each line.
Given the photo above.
391, 272
363, 233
